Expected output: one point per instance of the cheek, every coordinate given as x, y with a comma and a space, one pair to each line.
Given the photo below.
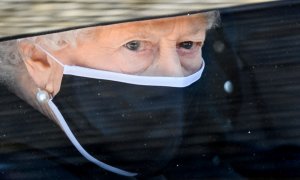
135, 62
191, 62
101, 59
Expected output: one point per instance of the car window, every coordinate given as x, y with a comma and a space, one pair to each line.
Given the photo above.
197, 95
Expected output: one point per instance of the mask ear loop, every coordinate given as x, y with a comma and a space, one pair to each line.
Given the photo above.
50, 55
44, 50
73, 139
43, 96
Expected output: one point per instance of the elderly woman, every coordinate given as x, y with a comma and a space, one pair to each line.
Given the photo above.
130, 75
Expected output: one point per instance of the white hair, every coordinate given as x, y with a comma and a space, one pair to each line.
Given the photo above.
10, 59
212, 18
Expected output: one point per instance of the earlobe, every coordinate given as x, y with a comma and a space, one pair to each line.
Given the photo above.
45, 72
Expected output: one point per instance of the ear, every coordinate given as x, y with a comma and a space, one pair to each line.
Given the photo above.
45, 72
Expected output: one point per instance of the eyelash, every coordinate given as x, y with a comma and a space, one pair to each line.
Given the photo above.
142, 45
189, 52
198, 44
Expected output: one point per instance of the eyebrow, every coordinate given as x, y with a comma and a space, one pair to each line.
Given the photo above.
197, 28
201, 33
139, 33
148, 31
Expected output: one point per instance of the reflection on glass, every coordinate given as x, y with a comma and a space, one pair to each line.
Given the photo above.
129, 95
125, 82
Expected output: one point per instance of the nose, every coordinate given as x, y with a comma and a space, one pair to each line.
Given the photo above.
169, 61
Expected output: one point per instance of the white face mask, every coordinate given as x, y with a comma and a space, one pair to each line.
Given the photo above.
119, 77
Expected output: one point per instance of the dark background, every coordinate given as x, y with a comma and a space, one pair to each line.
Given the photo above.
250, 132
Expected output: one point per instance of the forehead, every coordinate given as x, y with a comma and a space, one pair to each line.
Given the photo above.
192, 21
186, 24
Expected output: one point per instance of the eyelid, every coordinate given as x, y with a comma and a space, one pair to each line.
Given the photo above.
138, 37
199, 43
196, 43
193, 38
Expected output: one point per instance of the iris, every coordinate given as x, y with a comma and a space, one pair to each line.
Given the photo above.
186, 44
133, 45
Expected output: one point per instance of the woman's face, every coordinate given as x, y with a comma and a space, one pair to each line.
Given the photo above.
162, 47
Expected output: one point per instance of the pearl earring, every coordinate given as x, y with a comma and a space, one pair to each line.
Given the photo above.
42, 96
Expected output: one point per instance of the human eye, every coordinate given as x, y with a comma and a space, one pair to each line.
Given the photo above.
136, 55
138, 47
188, 48
188, 45
134, 45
